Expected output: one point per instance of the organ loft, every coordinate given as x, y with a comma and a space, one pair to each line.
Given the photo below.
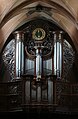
38, 62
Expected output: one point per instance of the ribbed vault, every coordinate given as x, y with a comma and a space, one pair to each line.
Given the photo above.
14, 13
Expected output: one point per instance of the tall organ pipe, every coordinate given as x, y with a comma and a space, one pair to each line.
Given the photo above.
19, 60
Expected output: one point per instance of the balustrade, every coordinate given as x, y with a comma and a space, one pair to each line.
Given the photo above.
24, 94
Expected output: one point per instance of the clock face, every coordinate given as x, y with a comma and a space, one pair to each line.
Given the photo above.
38, 34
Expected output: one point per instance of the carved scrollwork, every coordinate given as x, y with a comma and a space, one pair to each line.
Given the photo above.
30, 56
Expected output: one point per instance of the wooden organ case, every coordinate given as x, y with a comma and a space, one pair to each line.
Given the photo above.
39, 87
38, 71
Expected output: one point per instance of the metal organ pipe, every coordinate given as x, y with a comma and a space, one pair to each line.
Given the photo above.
19, 67
58, 55
38, 63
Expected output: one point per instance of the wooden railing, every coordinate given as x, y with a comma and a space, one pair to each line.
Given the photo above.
10, 95
67, 94
16, 95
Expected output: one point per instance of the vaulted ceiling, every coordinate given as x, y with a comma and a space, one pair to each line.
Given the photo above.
14, 13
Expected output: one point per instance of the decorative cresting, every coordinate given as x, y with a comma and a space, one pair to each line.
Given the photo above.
19, 66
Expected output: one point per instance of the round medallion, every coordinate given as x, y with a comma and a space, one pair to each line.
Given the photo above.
38, 34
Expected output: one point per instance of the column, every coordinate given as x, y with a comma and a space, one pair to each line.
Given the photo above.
19, 59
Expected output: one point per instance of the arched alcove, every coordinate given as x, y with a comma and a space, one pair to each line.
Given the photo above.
8, 52
41, 55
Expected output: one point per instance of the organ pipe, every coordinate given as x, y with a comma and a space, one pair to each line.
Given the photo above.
19, 60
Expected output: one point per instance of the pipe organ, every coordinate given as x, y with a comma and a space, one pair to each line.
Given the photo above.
41, 61
42, 47
40, 56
